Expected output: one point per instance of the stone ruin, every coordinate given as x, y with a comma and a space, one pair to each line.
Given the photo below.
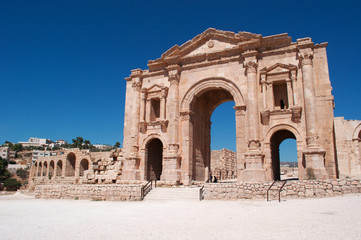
281, 89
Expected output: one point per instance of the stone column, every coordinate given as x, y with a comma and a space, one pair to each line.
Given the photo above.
294, 87
254, 170
163, 105
270, 101
147, 110
240, 112
314, 154
264, 91
131, 163
187, 147
142, 106
172, 111
289, 93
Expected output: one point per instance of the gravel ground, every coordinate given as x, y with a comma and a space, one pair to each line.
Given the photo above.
23, 217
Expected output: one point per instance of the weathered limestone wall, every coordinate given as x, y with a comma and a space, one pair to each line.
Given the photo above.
292, 189
224, 164
109, 192
348, 147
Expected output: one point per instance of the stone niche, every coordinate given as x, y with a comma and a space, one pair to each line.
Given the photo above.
154, 109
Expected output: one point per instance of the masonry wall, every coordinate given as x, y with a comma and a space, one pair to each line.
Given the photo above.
109, 192
292, 189
224, 164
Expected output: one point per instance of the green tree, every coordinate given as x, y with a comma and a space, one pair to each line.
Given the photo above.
4, 173
78, 142
117, 145
87, 144
22, 173
12, 184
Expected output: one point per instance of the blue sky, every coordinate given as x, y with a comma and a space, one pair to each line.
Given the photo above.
63, 63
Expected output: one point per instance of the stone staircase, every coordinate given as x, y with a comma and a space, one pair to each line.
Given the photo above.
173, 194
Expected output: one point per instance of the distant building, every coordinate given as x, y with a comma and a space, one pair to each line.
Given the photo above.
36, 142
33, 155
61, 142
102, 146
4, 152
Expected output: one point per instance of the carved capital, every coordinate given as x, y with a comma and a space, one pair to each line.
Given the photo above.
240, 110
251, 66
312, 141
173, 148
265, 116
186, 115
174, 79
296, 113
137, 85
164, 92
305, 56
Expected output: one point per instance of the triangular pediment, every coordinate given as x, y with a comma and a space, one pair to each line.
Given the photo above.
155, 88
278, 68
211, 40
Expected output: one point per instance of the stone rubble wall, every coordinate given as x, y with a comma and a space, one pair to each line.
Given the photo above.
224, 164
108, 192
292, 189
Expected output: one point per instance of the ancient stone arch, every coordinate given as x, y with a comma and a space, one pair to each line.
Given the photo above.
208, 84
272, 82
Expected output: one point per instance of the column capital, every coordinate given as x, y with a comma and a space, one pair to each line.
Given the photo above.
174, 79
137, 85
305, 56
251, 66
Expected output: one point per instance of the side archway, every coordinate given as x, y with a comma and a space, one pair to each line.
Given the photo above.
59, 168
84, 166
70, 165
273, 140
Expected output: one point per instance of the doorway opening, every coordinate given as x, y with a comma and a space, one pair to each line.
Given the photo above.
154, 159
284, 155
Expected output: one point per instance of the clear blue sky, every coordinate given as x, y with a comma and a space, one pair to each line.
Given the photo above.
63, 63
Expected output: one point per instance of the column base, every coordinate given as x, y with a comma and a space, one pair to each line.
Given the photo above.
315, 164
254, 171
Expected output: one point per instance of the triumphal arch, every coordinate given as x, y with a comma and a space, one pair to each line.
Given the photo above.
281, 89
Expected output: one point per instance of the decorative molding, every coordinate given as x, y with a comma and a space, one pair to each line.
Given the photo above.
254, 144
186, 115
265, 116
240, 110
143, 127
296, 113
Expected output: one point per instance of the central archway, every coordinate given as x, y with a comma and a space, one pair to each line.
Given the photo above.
154, 159
197, 107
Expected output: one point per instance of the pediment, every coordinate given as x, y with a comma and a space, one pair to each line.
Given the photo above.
278, 68
211, 40
154, 88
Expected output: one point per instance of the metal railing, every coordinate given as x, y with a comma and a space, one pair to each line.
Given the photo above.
201, 193
146, 189
279, 189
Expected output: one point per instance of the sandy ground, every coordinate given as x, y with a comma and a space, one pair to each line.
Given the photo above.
22, 217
